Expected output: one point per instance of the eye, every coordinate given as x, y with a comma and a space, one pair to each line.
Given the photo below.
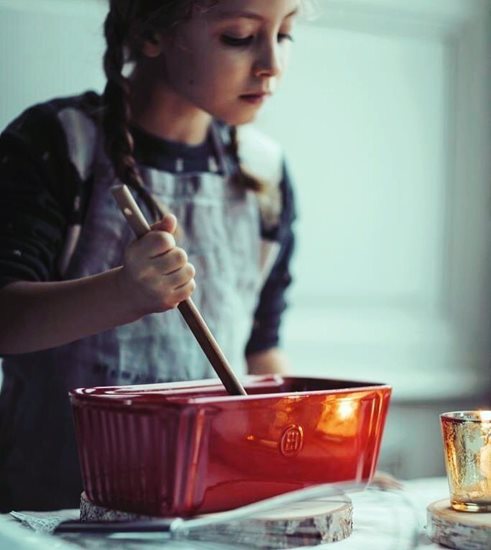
285, 36
235, 41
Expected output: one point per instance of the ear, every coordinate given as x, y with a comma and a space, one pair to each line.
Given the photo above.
152, 44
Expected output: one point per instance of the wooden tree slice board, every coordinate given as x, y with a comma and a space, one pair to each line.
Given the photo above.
304, 523
462, 530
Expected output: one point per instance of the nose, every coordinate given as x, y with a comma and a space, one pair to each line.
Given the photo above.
268, 62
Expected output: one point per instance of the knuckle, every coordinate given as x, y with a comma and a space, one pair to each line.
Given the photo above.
185, 291
188, 288
191, 270
163, 240
181, 256
168, 240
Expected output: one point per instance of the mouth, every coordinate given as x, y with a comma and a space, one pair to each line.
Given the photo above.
255, 98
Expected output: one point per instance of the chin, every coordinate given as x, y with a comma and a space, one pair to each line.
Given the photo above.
235, 114
236, 119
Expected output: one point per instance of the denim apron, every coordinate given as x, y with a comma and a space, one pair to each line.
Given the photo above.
220, 232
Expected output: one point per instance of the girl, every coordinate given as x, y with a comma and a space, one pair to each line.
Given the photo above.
81, 304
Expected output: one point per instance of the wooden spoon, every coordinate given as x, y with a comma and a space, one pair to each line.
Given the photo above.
188, 310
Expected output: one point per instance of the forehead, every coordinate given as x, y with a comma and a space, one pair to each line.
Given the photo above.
255, 10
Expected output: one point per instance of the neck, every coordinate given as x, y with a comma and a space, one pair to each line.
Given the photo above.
160, 111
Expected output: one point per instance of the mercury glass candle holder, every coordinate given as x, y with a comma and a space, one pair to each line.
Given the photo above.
467, 449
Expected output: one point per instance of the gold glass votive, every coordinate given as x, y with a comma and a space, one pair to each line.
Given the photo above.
467, 449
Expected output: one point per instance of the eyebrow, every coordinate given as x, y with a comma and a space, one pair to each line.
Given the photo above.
249, 15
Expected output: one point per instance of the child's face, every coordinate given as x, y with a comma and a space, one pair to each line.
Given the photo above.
227, 59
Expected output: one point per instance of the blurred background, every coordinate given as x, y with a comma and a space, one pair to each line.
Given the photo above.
385, 117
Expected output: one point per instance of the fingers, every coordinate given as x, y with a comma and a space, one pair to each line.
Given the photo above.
184, 292
171, 261
159, 283
155, 243
168, 223
157, 271
176, 287
181, 276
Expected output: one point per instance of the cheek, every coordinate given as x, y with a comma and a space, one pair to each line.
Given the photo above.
215, 73
185, 71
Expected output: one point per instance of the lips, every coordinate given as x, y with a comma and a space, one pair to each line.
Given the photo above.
254, 98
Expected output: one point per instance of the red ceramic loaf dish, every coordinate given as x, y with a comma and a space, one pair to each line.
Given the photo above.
189, 448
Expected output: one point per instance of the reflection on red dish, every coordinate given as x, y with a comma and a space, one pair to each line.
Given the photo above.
189, 448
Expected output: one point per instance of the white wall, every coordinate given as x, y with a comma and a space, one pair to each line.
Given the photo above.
385, 117
389, 106
48, 48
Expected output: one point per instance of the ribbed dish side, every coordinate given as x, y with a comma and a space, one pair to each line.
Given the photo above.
125, 459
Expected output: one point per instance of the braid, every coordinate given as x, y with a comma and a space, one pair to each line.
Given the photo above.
117, 114
241, 176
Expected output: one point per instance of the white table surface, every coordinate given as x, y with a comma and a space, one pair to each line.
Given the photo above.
391, 520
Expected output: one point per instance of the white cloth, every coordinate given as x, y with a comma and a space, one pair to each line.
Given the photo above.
392, 520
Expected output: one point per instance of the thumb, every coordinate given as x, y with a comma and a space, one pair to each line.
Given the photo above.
167, 223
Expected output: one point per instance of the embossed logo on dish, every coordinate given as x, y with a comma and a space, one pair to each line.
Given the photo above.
291, 440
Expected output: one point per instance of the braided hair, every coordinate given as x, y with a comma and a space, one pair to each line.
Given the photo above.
125, 27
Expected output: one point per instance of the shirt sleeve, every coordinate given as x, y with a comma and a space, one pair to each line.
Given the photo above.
36, 196
272, 302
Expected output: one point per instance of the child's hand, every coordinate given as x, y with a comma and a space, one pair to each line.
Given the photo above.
156, 275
